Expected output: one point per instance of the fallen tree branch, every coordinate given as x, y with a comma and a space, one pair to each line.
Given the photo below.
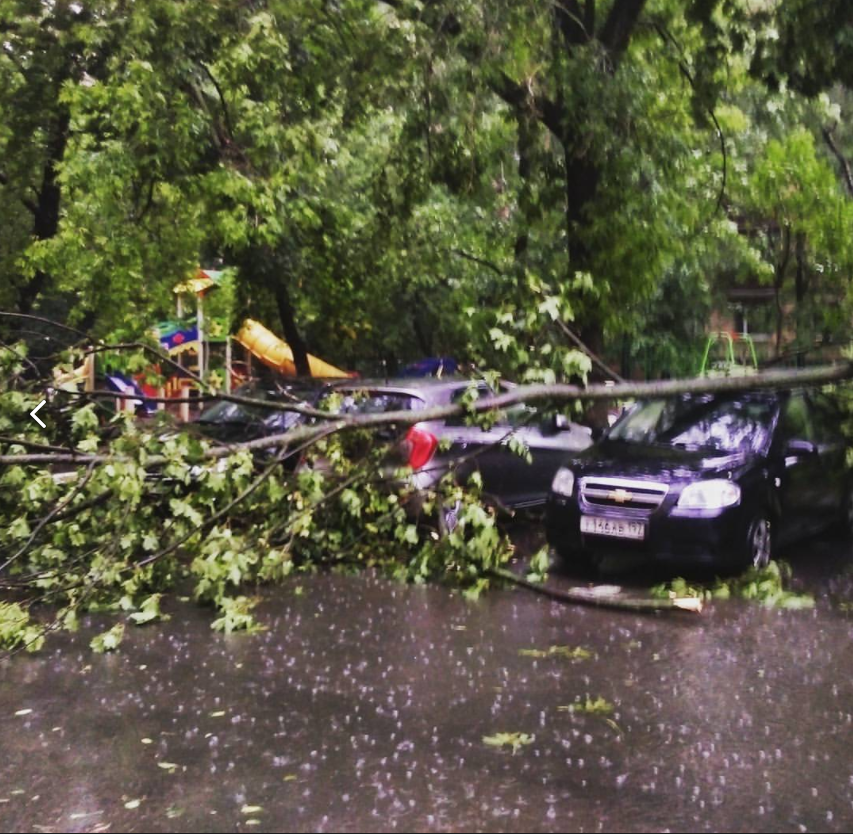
78, 488
296, 407
522, 394
588, 596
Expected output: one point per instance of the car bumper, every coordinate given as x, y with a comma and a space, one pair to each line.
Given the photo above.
697, 539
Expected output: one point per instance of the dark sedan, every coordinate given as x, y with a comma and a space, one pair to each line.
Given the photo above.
719, 481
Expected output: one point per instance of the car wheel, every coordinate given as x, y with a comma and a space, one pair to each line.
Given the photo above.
759, 543
576, 561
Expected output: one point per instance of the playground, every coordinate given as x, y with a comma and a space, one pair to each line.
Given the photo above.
198, 353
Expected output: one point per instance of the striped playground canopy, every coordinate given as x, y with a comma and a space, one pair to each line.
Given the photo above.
201, 282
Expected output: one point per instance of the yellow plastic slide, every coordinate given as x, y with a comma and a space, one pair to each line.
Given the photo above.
277, 354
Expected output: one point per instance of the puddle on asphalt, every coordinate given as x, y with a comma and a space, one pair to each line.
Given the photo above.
364, 705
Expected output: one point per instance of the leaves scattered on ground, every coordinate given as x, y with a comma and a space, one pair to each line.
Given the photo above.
514, 740
765, 585
109, 641
567, 652
599, 706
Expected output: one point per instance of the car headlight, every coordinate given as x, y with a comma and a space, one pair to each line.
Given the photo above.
715, 494
564, 482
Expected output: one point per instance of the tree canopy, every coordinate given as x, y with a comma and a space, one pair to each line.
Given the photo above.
401, 179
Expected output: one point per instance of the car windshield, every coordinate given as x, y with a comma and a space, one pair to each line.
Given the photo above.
231, 412
724, 425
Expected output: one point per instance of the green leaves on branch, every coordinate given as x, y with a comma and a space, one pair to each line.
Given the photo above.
17, 629
116, 536
109, 641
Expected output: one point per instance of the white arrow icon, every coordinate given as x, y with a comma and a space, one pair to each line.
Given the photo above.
33, 414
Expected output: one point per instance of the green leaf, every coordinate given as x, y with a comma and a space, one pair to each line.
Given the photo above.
514, 740
108, 641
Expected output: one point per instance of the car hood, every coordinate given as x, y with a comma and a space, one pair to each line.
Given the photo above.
636, 460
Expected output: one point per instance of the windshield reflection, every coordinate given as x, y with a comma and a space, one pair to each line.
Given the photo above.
736, 425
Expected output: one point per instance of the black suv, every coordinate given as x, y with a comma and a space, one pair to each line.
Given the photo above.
710, 480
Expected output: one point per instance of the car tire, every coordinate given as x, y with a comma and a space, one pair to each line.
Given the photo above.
758, 543
575, 561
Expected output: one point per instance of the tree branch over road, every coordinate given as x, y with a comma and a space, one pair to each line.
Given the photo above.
552, 394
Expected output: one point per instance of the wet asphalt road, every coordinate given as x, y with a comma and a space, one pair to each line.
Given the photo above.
364, 704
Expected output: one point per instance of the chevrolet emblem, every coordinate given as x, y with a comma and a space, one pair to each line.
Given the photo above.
620, 496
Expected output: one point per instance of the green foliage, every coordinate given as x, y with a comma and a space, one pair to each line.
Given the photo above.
236, 615
149, 611
599, 707
413, 182
109, 641
567, 652
539, 564
117, 535
764, 585
17, 630
513, 740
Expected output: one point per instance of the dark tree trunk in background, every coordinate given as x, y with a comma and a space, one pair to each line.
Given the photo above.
800, 292
526, 148
778, 282
423, 332
576, 24
267, 269
46, 208
291, 332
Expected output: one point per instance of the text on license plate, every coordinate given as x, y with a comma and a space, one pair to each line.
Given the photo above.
618, 528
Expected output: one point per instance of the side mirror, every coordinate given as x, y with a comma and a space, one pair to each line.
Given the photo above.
800, 448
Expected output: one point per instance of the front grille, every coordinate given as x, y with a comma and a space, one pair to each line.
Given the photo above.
623, 493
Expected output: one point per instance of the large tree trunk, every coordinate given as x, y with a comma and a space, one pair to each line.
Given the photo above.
291, 332
266, 268
778, 283
582, 176
46, 208
526, 149
800, 292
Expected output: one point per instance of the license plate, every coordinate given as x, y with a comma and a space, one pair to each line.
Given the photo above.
617, 528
